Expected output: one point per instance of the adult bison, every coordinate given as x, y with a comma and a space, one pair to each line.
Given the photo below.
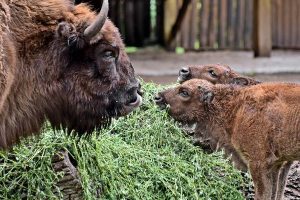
259, 124
215, 73
63, 63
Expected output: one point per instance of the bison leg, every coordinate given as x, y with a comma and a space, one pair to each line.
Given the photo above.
282, 179
238, 162
264, 179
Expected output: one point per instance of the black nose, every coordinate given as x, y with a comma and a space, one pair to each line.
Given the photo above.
184, 72
160, 101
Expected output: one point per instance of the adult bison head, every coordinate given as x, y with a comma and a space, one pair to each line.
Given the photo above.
67, 64
97, 81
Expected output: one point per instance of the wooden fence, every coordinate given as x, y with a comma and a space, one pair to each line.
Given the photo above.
216, 24
209, 24
132, 17
228, 24
286, 24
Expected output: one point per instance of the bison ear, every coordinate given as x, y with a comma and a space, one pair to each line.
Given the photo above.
240, 81
65, 29
207, 96
68, 31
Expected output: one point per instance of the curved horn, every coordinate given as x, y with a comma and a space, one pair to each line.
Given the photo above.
96, 26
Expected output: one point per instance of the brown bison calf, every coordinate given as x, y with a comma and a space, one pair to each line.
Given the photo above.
215, 73
259, 123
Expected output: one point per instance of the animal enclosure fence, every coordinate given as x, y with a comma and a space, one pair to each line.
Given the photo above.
217, 24
132, 17
208, 24
286, 24
228, 24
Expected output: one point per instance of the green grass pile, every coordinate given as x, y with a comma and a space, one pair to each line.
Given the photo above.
142, 156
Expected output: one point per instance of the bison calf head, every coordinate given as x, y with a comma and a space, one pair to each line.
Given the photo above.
187, 102
221, 74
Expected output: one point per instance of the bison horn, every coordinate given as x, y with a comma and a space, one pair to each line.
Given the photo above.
96, 26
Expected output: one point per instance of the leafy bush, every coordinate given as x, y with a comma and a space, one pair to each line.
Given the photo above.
142, 156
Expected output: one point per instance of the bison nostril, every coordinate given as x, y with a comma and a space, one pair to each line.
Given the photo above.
158, 99
184, 71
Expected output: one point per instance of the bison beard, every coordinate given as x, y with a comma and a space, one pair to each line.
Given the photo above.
63, 63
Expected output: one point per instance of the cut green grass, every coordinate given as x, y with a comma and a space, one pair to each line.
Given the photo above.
142, 156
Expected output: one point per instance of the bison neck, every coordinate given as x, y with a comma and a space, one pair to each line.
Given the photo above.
217, 128
29, 99
224, 105
220, 116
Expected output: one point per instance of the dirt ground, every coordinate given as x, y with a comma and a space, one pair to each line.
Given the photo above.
280, 77
156, 65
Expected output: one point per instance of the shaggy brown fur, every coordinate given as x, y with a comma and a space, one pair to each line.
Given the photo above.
48, 69
261, 123
222, 74
215, 73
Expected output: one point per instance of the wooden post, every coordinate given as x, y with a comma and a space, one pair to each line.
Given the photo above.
262, 35
170, 14
178, 21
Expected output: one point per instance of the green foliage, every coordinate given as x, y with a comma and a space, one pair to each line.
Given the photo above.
131, 49
179, 50
142, 156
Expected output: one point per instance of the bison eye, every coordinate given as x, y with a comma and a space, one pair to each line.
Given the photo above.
212, 73
109, 54
184, 93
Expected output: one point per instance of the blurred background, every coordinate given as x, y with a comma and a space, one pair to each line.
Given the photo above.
260, 38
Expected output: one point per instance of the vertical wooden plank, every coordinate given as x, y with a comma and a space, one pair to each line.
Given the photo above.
212, 26
147, 19
248, 24
294, 23
236, 25
140, 23
179, 35
204, 23
178, 22
160, 21
222, 24
286, 32
231, 22
288, 22
185, 30
298, 25
121, 11
280, 23
274, 23
129, 22
170, 13
193, 24
239, 40
262, 28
